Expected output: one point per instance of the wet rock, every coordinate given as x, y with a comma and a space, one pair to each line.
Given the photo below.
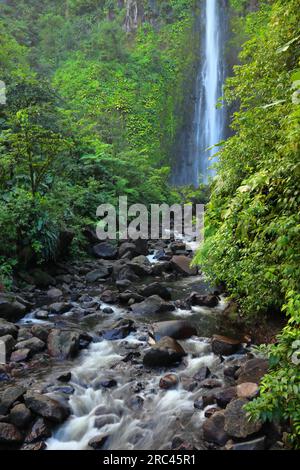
105, 250
253, 371
107, 310
41, 315
178, 247
156, 288
237, 422
100, 273
128, 295
169, 381
40, 332
123, 272
198, 404
46, 407
255, 444
20, 416
54, 294
211, 411
106, 383
161, 268
152, 305
34, 345
141, 246
225, 396
110, 297
98, 442
223, 346
210, 300
9, 434
182, 264
214, 429
21, 355
128, 249
180, 445
60, 307
9, 397
230, 371
202, 374
135, 403
247, 390
106, 419
164, 353
11, 309
35, 446
39, 430
141, 266
9, 343
65, 377
119, 330
123, 284
24, 333
63, 344
211, 383
176, 329
7, 328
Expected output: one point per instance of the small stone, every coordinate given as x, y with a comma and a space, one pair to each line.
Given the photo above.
21, 355
46, 407
169, 381
35, 345
223, 346
9, 397
98, 442
213, 429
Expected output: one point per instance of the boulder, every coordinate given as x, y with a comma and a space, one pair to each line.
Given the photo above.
36, 446
123, 272
182, 264
164, 353
210, 300
41, 315
176, 329
101, 273
35, 345
247, 390
237, 423
40, 332
46, 407
123, 284
223, 346
9, 397
253, 371
9, 434
141, 266
21, 355
119, 330
54, 294
128, 249
11, 309
39, 430
169, 381
7, 328
20, 416
63, 344
156, 288
152, 305
60, 307
141, 246
225, 396
110, 297
161, 268
128, 295
178, 247
214, 429
202, 374
105, 250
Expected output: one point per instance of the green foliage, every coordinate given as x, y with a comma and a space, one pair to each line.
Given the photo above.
253, 223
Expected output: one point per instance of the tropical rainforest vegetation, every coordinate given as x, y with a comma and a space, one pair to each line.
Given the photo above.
92, 111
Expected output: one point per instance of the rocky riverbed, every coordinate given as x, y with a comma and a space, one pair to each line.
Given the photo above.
127, 350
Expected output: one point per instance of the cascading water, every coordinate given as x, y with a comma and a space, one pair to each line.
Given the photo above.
196, 152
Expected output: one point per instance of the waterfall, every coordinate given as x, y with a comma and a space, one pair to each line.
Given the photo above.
196, 151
